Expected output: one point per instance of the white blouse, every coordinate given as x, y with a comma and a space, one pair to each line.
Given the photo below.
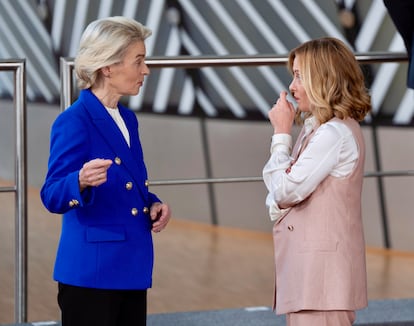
331, 151
114, 112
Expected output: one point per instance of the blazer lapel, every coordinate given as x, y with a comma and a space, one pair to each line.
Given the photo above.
110, 132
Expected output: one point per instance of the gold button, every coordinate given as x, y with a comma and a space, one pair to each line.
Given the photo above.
128, 185
146, 183
145, 210
134, 211
117, 161
73, 203
290, 227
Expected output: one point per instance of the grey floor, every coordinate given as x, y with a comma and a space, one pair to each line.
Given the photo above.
379, 313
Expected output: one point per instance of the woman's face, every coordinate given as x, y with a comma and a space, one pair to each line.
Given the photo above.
297, 90
127, 77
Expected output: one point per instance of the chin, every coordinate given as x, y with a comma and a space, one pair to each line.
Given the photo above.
134, 92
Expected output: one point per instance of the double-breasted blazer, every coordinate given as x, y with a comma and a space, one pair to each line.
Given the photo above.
106, 239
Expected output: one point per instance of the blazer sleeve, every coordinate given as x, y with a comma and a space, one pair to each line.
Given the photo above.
153, 198
68, 152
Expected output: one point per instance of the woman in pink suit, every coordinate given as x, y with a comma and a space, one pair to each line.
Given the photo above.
315, 188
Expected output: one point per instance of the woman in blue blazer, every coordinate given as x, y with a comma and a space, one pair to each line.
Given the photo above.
98, 180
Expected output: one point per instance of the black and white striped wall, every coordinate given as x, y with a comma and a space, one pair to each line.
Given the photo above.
42, 31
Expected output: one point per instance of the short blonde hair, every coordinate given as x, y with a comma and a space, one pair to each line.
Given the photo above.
332, 78
104, 42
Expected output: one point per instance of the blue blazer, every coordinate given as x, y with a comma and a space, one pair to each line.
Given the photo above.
106, 239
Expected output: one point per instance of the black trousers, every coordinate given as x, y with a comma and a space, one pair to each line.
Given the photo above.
95, 307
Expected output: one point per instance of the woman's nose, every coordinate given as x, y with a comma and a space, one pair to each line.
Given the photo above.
146, 70
292, 87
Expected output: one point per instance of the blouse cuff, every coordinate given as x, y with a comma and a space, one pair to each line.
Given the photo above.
281, 143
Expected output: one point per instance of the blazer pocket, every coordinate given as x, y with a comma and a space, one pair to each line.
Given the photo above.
105, 233
327, 245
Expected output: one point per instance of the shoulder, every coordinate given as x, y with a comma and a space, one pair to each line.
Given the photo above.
86, 102
74, 116
333, 133
72, 111
335, 127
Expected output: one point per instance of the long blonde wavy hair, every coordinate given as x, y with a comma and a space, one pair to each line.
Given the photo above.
333, 80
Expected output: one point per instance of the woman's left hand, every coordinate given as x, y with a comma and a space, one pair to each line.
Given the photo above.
160, 215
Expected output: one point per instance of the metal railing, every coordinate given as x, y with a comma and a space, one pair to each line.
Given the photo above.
20, 186
67, 65
67, 88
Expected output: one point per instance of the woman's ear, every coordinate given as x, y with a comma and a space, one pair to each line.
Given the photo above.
106, 71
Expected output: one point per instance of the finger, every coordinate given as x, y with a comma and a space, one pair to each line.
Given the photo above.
283, 95
162, 216
159, 225
155, 212
103, 163
156, 230
102, 177
107, 163
99, 163
292, 107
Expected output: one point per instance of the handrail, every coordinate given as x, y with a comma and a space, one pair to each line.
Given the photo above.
67, 65
20, 188
258, 60
8, 189
174, 182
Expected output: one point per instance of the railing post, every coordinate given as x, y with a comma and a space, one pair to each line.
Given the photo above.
21, 196
20, 186
66, 83
380, 184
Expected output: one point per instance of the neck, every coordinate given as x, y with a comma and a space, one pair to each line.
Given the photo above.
106, 98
